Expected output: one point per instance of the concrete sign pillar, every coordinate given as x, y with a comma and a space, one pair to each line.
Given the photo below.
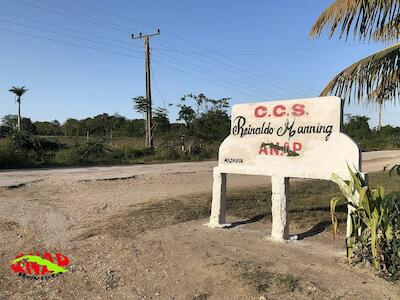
280, 229
298, 138
217, 218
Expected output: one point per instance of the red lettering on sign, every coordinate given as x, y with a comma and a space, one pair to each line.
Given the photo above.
298, 110
260, 112
288, 149
263, 150
279, 110
297, 146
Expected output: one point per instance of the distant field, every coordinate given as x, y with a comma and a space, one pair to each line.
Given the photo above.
136, 142
119, 142
76, 151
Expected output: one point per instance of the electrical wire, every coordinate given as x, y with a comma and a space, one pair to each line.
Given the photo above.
67, 15
127, 55
156, 86
233, 70
143, 24
236, 83
68, 35
69, 29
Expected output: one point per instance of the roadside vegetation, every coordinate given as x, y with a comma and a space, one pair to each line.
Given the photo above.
201, 126
375, 217
105, 139
375, 224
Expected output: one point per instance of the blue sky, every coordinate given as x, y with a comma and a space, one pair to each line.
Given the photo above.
248, 50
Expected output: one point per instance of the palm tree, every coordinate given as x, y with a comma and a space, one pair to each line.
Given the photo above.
380, 96
18, 92
372, 20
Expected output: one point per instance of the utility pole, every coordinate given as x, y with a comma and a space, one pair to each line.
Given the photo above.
149, 125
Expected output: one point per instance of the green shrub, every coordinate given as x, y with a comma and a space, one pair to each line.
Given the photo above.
11, 159
67, 157
375, 225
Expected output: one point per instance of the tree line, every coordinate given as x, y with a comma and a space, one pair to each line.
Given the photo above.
199, 116
100, 125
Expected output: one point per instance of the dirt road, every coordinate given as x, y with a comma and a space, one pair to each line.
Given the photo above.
372, 161
143, 237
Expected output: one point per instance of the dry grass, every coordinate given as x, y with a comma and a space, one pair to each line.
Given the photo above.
308, 205
262, 280
118, 142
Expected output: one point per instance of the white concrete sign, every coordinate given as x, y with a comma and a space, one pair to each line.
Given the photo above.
291, 138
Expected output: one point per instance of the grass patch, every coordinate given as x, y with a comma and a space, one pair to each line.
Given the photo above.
262, 281
308, 200
143, 217
308, 206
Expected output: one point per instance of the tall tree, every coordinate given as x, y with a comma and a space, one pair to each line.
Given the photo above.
366, 20
208, 121
161, 120
18, 92
160, 115
186, 114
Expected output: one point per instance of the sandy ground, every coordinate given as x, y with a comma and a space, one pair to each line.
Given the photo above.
123, 231
372, 161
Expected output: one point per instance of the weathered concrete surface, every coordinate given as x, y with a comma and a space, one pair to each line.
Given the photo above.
289, 138
280, 227
372, 161
217, 218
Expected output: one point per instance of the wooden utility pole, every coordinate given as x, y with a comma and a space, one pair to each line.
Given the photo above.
149, 125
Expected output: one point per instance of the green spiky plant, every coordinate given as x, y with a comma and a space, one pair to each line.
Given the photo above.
375, 224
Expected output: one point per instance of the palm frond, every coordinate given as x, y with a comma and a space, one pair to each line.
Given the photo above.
389, 32
385, 91
362, 17
362, 78
18, 91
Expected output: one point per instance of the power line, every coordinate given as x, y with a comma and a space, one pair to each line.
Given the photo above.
111, 14
243, 63
129, 29
56, 12
69, 28
125, 48
126, 55
234, 70
68, 35
285, 87
68, 43
257, 76
69, 16
113, 24
111, 45
156, 86
259, 51
209, 81
187, 41
232, 81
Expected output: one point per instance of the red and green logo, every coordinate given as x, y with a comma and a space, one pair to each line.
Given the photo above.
37, 266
